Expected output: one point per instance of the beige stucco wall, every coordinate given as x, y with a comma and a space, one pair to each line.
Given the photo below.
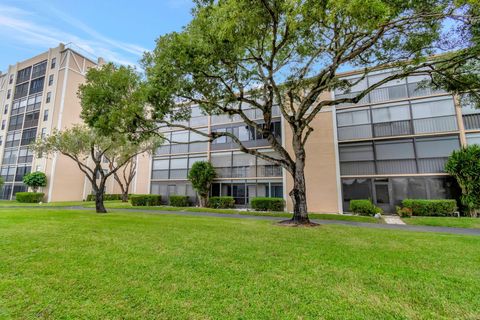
320, 170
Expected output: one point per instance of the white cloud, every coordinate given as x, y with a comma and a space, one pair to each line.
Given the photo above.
20, 26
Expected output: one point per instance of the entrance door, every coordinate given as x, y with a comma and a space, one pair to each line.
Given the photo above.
383, 196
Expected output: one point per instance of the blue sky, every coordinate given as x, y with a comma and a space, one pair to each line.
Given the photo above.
119, 31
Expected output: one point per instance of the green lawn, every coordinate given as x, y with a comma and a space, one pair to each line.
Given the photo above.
67, 264
14, 203
462, 222
324, 216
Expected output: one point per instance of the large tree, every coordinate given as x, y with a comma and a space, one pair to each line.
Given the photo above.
97, 156
237, 54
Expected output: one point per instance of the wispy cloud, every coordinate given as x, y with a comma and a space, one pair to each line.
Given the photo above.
21, 26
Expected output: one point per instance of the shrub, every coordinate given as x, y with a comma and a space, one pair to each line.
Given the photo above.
421, 207
464, 166
35, 180
29, 197
268, 204
221, 202
201, 176
145, 200
364, 207
404, 212
106, 197
179, 201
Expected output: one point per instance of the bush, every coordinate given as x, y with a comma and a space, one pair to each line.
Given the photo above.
35, 180
145, 200
179, 201
106, 197
29, 197
364, 207
268, 204
404, 212
221, 202
440, 208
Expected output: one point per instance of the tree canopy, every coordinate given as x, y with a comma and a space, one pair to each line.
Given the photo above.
269, 54
97, 156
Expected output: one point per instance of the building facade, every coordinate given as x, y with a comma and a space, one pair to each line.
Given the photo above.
37, 96
390, 146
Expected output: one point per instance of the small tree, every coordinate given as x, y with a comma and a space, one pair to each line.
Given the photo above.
35, 180
201, 176
126, 177
97, 156
464, 166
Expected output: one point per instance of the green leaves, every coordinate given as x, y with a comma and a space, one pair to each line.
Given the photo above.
113, 100
201, 176
35, 180
464, 165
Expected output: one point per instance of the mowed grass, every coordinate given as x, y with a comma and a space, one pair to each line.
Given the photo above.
462, 222
324, 216
67, 264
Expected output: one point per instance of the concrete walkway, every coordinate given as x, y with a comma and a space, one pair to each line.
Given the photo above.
404, 227
393, 220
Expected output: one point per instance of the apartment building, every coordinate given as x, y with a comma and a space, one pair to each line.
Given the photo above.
390, 146
38, 95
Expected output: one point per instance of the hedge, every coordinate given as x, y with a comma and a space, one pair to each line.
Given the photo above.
221, 202
422, 207
107, 197
268, 204
364, 207
179, 201
145, 199
29, 197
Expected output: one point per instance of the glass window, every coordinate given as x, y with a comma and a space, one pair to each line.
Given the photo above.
39, 69
36, 85
192, 160
436, 147
348, 118
45, 115
433, 108
49, 97
160, 164
53, 63
179, 163
23, 75
399, 149
473, 138
356, 152
389, 114
221, 159
50, 79
355, 189
21, 90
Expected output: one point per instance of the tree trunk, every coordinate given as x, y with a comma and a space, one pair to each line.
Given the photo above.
125, 196
203, 200
299, 191
299, 198
99, 197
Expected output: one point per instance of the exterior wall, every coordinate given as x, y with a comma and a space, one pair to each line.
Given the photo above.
320, 170
395, 142
65, 187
